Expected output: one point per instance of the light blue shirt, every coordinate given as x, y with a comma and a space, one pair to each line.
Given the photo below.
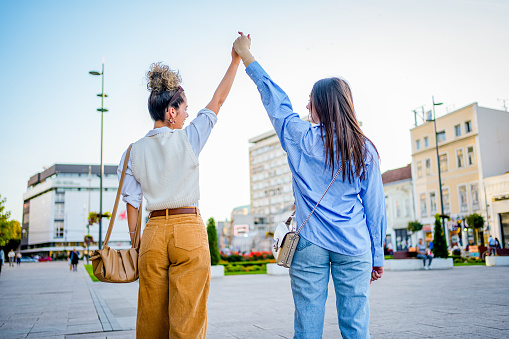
351, 218
197, 132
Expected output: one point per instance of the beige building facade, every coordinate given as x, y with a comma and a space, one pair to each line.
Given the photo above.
472, 145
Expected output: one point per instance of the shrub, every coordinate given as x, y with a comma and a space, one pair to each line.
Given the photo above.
439, 243
213, 247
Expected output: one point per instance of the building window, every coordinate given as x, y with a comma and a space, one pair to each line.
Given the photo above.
59, 211
443, 163
441, 136
445, 196
407, 207
474, 196
426, 141
60, 197
470, 155
419, 169
424, 212
462, 195
428, 167
418, 144
460, 161
468, 126
432, 203
59, 229
398, 209
457, 130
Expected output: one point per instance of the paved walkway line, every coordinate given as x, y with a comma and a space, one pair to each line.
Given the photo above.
108, 321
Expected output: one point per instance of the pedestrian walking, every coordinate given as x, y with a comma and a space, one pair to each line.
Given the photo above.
174, 258
2, 259
18, 258
11, 256
345, 235
74, 258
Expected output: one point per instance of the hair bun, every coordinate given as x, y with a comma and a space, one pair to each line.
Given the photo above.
161, 78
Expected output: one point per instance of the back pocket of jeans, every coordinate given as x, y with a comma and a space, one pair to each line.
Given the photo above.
189, 235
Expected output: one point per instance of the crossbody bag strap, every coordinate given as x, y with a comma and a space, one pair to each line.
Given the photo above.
114, 213
309, 216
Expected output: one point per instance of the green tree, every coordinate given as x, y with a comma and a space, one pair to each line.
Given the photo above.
9, 229
439, 243
476, 222
213, 247
414, 226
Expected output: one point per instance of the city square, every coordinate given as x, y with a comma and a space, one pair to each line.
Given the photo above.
123, 133
46, 300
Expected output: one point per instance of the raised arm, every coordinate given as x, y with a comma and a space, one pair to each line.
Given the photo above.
225, 85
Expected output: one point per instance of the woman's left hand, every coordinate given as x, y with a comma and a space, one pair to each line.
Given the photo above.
376, 273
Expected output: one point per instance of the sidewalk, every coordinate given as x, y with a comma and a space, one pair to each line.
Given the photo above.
46, 300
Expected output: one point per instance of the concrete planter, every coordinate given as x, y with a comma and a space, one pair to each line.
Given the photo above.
497, 261
416, 264
217, 271
275, 269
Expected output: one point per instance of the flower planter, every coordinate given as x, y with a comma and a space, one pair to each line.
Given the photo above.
217, 271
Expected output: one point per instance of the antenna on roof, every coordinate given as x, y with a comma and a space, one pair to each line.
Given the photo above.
503, 102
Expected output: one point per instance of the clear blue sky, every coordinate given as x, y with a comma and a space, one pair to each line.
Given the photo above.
395, 54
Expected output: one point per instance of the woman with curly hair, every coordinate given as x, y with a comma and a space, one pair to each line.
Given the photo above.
345, 234
174, 258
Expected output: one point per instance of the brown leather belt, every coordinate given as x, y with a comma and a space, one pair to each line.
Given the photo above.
174, 211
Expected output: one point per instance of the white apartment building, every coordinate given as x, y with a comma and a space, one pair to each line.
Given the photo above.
399, 195
56, 206
271, 178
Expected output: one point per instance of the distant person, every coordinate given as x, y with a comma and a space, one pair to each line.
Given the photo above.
174, 259
390, 248
423, 253
75, 257
18, 258
2, 259
11, 256
497, 243
345, 235
492, 245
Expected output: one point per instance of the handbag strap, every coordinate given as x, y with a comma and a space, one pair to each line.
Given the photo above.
309, 216
136, 243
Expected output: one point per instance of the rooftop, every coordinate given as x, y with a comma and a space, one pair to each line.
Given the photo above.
397, 174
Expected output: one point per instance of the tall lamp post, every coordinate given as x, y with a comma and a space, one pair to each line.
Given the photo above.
101, 174
439, 170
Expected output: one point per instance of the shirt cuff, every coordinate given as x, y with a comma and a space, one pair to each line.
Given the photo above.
210, 114
132, 200
378, 258
255, 71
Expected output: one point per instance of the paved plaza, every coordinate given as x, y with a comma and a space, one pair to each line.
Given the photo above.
46, 300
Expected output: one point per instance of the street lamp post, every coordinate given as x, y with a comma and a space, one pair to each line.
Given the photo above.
101, 174
439, 170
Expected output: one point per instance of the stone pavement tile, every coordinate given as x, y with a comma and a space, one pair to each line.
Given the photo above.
44, 336
84, 328
13, 334
98, 335
252, 332
399, 335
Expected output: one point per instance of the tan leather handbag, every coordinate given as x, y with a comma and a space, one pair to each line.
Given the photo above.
120, 266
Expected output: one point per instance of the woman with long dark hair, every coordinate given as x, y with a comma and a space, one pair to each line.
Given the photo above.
345, 234
174, 258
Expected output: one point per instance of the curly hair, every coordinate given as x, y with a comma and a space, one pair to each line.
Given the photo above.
163, 84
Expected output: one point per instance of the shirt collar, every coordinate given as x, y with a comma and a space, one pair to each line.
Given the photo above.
158, 130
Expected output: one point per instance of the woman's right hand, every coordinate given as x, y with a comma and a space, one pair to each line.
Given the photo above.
242, 46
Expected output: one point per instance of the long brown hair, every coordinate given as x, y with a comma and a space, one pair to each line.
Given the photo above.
342, 137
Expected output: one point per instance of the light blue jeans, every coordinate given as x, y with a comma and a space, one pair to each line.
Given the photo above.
309, 273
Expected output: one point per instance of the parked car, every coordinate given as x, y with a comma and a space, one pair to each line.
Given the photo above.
45, 258
28, 259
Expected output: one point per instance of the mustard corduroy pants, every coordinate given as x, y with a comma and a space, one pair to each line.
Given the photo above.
174, 266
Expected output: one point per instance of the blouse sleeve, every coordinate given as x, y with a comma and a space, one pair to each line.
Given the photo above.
131, 190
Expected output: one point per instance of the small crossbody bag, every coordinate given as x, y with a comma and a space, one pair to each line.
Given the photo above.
286, 238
